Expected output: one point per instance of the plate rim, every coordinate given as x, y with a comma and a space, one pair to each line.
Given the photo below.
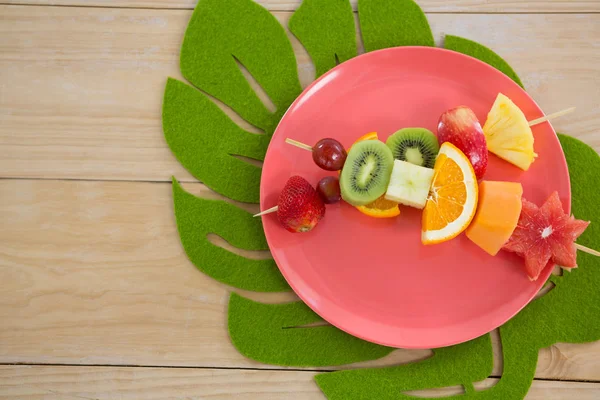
544, 276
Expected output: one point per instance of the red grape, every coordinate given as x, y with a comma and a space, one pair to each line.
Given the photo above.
329, 154
329, 189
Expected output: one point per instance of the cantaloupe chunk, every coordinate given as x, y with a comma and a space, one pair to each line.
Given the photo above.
497, 215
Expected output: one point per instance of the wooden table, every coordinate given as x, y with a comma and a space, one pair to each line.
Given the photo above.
97, 298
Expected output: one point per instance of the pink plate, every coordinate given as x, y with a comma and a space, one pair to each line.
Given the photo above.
372, 277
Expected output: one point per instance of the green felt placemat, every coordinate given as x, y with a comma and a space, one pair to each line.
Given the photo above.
326, 29
277, 334
481, 52
222, 37
226, 35
568, 313
391, 23
197, 218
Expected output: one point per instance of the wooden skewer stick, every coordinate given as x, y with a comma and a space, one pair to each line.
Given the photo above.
269, 211
551, 116
577, 245
298, 144
587, 250
531, 123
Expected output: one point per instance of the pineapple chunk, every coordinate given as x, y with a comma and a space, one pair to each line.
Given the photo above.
409, 184
508, 134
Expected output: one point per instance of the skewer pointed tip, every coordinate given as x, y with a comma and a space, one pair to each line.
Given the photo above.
587, 250
551, 116
265, 212
298, 144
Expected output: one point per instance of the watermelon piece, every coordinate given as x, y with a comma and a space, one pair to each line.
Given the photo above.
545, 234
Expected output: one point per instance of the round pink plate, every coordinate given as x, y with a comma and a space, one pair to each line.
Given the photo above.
372, 277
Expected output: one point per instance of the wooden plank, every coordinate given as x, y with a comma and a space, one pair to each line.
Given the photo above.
93, 273
432, 6
99, 383
85, 101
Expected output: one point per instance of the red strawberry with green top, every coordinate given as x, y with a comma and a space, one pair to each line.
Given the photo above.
300, 207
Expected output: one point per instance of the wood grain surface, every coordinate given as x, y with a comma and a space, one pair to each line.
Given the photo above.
92, 273
437, 6
102, 383
85, 101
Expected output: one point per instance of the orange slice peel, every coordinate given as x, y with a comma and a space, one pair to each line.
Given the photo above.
452, 198
380, 208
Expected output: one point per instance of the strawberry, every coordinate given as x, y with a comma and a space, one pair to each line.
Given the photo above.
300, 207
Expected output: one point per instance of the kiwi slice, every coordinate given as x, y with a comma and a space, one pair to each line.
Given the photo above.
366, 173
417, 146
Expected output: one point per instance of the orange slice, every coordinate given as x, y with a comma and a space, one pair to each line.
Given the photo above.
452, 198
380, 208
368, 136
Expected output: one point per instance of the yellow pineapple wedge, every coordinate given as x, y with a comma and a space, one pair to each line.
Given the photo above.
508, 134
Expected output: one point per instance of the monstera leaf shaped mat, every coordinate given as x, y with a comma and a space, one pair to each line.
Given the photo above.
222, 34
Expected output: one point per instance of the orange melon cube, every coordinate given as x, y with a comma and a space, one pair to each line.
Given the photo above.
497, 215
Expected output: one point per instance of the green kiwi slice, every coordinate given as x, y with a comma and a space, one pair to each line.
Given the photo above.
417, 146
366, 173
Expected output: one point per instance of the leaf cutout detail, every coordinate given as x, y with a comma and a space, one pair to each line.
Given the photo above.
221, 31
197, 217
273, 334
449, 366
326, 29
204, 140
569, 312
391, 23
482, 53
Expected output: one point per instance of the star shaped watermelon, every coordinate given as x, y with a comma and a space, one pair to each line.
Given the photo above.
545, 234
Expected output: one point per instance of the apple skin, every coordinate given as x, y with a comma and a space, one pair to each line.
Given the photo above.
461, 127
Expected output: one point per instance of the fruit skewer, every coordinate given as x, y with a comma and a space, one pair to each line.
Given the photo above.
330, 155
577, 245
